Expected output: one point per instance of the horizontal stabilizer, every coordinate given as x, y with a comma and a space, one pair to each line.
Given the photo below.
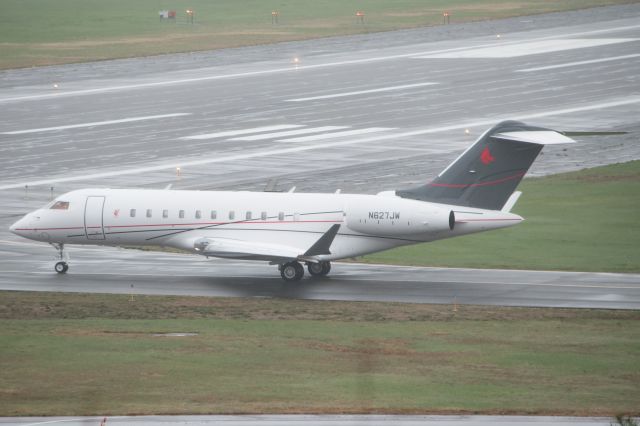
594, 133
540, 137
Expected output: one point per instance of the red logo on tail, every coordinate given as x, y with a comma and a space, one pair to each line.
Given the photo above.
486, 156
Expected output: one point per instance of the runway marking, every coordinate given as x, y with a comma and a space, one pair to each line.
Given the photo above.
22, 243
510, 50
325, 145
95, 123
573, 64
336, 134
288, 133
361, 92
241, 132
279, 70
82, 419
502, 284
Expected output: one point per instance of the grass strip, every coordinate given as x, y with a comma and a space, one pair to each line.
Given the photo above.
45, 32
578, 221
77, 354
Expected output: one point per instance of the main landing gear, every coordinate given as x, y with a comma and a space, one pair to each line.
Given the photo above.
293, 271
61, 266
319, 269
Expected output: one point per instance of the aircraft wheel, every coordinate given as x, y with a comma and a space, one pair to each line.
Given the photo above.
315, 269
292, 271
61, 267
319, 269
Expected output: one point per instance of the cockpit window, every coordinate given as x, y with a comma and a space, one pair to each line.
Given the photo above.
60, 205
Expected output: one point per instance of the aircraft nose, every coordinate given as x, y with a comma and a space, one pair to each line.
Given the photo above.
17, 227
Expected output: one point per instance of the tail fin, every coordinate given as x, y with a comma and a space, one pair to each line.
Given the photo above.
488, 172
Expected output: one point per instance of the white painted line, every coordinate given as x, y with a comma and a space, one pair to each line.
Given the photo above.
241, 132
95, 123
573, 64
502, 50
81, 419
296, 68
361, 92
336, 134
303, 148
288, 133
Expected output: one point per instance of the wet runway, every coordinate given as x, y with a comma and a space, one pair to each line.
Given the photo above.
29, 266
362, 114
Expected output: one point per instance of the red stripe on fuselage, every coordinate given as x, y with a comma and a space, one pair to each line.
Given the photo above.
181, 224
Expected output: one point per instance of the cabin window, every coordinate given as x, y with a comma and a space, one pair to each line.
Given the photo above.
263, 216
60, 205
232, 215
214, 214
132, 212
281, 216
149, 213
198, 214
181, 214
248, 216
165, 213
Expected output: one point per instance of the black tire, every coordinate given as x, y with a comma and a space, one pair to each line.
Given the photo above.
319, 269
292, 271
61, 267
315, 269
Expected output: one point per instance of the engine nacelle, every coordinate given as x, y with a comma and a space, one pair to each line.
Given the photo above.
397, 216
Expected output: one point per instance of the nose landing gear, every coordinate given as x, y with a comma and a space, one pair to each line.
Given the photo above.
61, 266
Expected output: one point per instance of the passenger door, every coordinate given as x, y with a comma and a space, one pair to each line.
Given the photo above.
93, 220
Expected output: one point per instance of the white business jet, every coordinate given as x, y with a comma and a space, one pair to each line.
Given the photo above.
473, 194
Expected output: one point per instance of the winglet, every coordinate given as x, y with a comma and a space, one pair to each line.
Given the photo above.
324, 243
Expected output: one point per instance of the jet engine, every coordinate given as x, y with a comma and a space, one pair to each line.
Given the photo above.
397, 216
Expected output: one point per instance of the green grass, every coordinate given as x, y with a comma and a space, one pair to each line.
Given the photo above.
77, 354
581, 221
40, 32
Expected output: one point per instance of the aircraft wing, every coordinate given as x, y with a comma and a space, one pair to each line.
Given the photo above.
253, 250
239, 249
